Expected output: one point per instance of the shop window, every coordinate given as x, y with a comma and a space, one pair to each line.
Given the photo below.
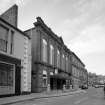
44, 82
3, 78
6, 74
44, 78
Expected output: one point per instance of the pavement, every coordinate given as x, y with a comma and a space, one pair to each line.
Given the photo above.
20, 98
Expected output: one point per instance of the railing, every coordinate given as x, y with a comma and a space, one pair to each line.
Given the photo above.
3, 45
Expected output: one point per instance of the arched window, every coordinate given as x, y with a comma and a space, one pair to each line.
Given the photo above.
44, 50
63, 62
51, 55
67, 64
58, 58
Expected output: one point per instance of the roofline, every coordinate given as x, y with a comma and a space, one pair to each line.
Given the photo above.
77, 57
59, 39
14, 28
29, 29
41, 23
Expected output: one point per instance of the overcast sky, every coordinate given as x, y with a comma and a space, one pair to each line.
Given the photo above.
81, 23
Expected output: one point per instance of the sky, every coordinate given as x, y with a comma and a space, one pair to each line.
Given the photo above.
81, 23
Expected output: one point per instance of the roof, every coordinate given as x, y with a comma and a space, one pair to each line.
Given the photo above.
14, 27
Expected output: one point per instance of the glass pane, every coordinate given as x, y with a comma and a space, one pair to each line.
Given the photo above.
6, 74
10, 78
3, 32
44, 82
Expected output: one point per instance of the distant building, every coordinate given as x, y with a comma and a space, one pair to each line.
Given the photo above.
101, 79
96, 79
51, 64
92, 79
15, 56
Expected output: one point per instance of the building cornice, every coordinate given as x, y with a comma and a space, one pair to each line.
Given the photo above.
78, 58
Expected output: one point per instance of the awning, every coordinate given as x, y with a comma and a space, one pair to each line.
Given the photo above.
61, 76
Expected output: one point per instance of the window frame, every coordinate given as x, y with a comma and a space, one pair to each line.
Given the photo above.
4, 41
13, 75
44, 50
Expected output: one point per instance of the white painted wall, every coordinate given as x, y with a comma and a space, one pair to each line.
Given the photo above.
22, 50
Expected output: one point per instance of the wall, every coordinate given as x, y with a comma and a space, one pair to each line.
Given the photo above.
22, 50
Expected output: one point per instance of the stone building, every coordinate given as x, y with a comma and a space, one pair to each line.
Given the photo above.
51, 66
35, 60
15, 55
79, 73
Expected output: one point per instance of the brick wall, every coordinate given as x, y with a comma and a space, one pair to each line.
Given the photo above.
11, 15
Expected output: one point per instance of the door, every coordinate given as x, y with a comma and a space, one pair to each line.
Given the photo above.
17, 80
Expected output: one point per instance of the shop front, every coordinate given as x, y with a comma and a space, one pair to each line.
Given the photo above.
9, 76
58, 81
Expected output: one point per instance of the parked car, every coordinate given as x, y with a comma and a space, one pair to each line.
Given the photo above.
84, 87
96, 86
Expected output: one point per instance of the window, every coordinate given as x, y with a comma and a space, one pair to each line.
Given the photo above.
6, 74
12, 43
44, 78
63, 62
51, 55
58, 58
66, 63
44, 50
3, 38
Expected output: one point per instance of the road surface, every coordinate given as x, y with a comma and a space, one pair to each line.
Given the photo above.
93, 96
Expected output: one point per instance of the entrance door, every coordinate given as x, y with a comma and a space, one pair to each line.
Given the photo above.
51, 83
17, 80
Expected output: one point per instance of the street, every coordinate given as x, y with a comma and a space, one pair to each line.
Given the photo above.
93, 96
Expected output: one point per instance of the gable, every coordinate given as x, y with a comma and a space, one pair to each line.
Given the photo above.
11, 15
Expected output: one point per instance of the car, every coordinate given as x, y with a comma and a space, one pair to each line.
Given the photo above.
96, 86
84, 87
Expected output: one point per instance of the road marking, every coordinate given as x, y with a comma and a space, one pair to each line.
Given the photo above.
79, 101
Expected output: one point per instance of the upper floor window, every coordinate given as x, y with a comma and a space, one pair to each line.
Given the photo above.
63, 62
67, 63
12, 43
51, 55
3, 38
44, 50
58, 58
